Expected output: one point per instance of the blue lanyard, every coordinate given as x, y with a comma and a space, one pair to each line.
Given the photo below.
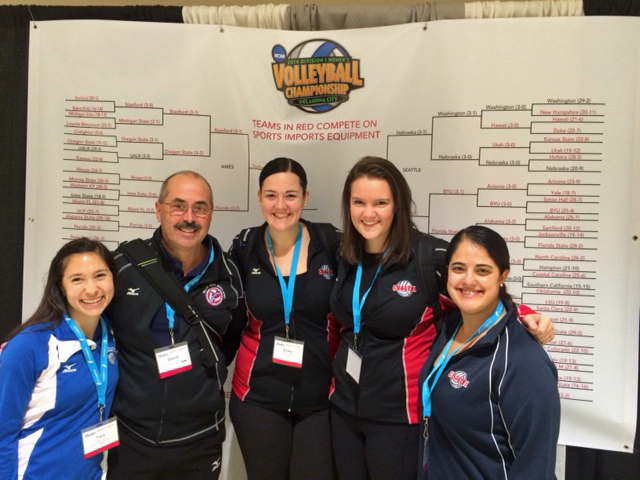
287, 289
443, 359
357, 302
170, 311
99, 378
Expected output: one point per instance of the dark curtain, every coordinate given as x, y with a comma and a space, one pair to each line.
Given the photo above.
13, 143
14, 58
582, 464
612, 7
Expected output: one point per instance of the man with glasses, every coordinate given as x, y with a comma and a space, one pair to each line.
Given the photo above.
169, 401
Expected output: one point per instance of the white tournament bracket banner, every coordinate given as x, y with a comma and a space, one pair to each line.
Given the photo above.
529, 126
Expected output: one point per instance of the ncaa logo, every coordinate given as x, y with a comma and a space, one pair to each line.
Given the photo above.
404, 288
326, 272
458, 379
214, 295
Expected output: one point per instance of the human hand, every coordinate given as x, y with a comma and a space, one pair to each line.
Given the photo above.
540, 326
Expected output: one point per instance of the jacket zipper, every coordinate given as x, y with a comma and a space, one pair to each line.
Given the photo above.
164, 403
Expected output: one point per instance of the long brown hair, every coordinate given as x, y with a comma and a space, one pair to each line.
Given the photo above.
402, 226
53, 302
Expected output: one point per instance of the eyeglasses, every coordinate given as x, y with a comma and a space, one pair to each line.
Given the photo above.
180, 208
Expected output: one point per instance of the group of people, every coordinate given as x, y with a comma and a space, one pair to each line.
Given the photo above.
378, 352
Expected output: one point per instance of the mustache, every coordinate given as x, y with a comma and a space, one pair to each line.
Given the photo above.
185, 224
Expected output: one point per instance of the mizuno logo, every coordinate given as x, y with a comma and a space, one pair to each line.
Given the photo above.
133, 291
68, 368
255, 271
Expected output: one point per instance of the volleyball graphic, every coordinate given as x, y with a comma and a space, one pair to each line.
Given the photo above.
214, 295
318, 48
317, 75
404, 288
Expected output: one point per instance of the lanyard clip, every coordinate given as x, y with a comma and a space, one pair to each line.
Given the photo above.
286, 331
426, 428
355, 342
101, 409
171, 336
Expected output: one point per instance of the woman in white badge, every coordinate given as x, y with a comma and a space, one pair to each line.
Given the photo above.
58, 373
386, 300
280, 401
489, 396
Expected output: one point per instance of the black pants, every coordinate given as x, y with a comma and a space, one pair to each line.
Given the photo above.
367, 450
132, 459
279, 445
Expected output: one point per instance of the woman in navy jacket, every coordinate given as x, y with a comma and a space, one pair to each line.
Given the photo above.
489, 395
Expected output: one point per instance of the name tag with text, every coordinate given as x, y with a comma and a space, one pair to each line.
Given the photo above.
288, 352
173, 359
100, 437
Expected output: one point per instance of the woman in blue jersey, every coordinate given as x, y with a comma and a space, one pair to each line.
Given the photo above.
489, 395
280, 406
58, 373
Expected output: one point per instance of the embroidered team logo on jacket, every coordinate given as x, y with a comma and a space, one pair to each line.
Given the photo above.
214, 295
326, 272
111, 355
458, 379
404, 288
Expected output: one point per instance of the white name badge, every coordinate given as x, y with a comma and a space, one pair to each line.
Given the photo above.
354, 364
100, 437
173, 359
288, 352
